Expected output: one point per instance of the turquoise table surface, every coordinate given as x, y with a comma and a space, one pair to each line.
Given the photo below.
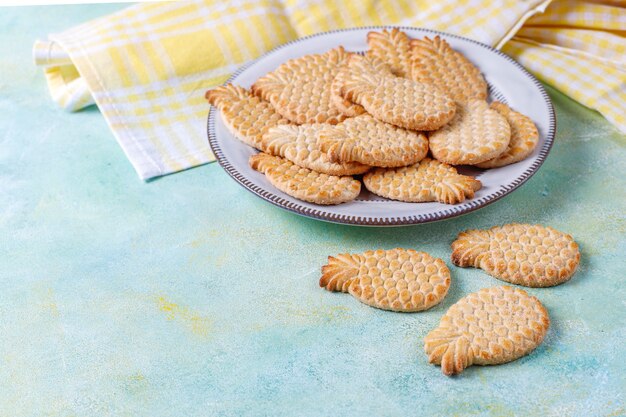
189, 296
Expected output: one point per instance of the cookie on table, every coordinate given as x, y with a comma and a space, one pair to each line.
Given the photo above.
435, 62
392, 47
524, 137
299, 89
476, 134
428, 180
402, 280
299, 145
398, 101
304, 184
245, 115
372, 142
523, 254
488, 327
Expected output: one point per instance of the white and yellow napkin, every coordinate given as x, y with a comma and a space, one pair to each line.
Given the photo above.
147, 67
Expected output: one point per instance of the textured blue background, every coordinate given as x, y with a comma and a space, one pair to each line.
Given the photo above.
188, 296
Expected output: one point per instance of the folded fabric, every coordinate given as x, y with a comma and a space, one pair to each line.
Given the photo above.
146, 67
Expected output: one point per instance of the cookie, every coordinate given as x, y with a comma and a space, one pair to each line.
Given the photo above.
304, 184
392, 47
475, 134
246, 116
372, 142
488, 327
435, 62
337, 100
398, 279
398, 101
524, 137
428, 180
299, 89
523, 254
299, 145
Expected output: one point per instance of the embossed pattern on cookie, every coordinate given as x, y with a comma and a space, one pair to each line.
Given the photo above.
299, 145
435, 62
488, 327
401, 280
398, 101
246, 116
475, 134
300, 89
523, 254
392, 47
428, 180
304, 184
372, 142
524, 137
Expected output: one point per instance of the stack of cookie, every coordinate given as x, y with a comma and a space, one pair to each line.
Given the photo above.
321, 119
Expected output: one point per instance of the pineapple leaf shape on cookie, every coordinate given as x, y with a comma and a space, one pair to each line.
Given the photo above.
488, 327
245, 115
523, 254
401, 280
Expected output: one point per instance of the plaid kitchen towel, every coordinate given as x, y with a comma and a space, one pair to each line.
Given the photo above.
147, 67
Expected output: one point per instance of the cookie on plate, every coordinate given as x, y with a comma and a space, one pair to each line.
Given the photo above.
398, 101
523, 254
401, 280
372, 142
435, 62
488, 327
428, 180
392, 47
299, 145
304, 184
299, 89
524, 137
475, 134
246, 116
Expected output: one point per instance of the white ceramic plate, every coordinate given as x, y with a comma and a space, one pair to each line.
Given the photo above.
508, 82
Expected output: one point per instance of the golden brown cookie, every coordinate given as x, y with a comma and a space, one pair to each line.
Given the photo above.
299, 145
299, 89
475, 134
523, 254
337, 100
398, 279
524, 137
488, 327
398, 101
435, 62
428, 180
246, 116
304, 184
392, 47
372, 142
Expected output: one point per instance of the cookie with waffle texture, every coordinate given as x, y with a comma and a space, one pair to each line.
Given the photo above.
524, 137
428, 180
369, 141
488, 327
299, 145
395, 100
435, 62
300, 89
475, 134
402, 280
245, 115
523, 254
304, 184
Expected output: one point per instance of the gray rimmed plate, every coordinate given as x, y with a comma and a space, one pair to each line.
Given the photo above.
508, 82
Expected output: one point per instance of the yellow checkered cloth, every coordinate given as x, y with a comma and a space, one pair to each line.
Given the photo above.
147, 67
